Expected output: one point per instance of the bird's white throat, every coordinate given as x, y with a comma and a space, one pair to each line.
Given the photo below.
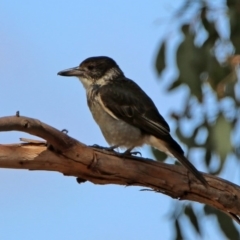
108, 76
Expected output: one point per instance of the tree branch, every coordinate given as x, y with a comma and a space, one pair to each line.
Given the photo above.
73, 158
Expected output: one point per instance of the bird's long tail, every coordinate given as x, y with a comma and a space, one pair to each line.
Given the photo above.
172, 148
185, 162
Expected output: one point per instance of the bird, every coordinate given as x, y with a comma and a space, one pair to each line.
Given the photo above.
126, 115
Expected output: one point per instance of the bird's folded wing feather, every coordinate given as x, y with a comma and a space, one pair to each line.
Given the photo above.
128, 102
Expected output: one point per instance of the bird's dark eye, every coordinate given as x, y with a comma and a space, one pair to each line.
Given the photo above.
90, 67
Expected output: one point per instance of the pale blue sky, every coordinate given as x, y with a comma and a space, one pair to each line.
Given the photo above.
38, 39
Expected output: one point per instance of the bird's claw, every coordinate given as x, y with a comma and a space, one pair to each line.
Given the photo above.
136, 153
110, 149
129, 153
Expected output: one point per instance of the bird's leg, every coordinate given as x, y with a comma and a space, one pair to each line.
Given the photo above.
110, 149
129, 153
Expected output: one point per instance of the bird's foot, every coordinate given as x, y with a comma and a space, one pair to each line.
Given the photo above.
110, 149
129, 153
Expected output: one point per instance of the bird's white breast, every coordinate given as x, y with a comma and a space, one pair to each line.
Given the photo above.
115, 131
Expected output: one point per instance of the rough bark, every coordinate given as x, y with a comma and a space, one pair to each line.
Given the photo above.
70, 157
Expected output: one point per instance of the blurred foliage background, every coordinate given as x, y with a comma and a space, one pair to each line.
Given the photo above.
208, 63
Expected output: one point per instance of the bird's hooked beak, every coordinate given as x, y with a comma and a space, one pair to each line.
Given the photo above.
76, 72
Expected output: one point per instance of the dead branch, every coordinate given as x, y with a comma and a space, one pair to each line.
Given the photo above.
72, 158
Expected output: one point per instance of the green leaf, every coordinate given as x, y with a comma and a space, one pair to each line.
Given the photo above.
189, 141
224, 221
174, 85
179, 235
208, 156
160, 156
160, 61
210, 28
216, 72
221, 137
234, 18
191, 62
192, 217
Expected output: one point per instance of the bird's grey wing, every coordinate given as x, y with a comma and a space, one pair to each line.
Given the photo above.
128, 102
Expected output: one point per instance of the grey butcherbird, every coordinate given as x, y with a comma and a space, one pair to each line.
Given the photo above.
125, 114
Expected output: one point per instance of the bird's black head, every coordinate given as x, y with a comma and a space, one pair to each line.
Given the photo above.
94, 70
98, 66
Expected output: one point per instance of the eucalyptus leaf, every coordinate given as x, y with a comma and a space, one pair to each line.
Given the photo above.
193, 218
210, 28
225, 223
208, 156
191, 63
189, 141
221, 137
234, 18
216, 72
199, 67
160, 60
179, 235
160, 156
174, 85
